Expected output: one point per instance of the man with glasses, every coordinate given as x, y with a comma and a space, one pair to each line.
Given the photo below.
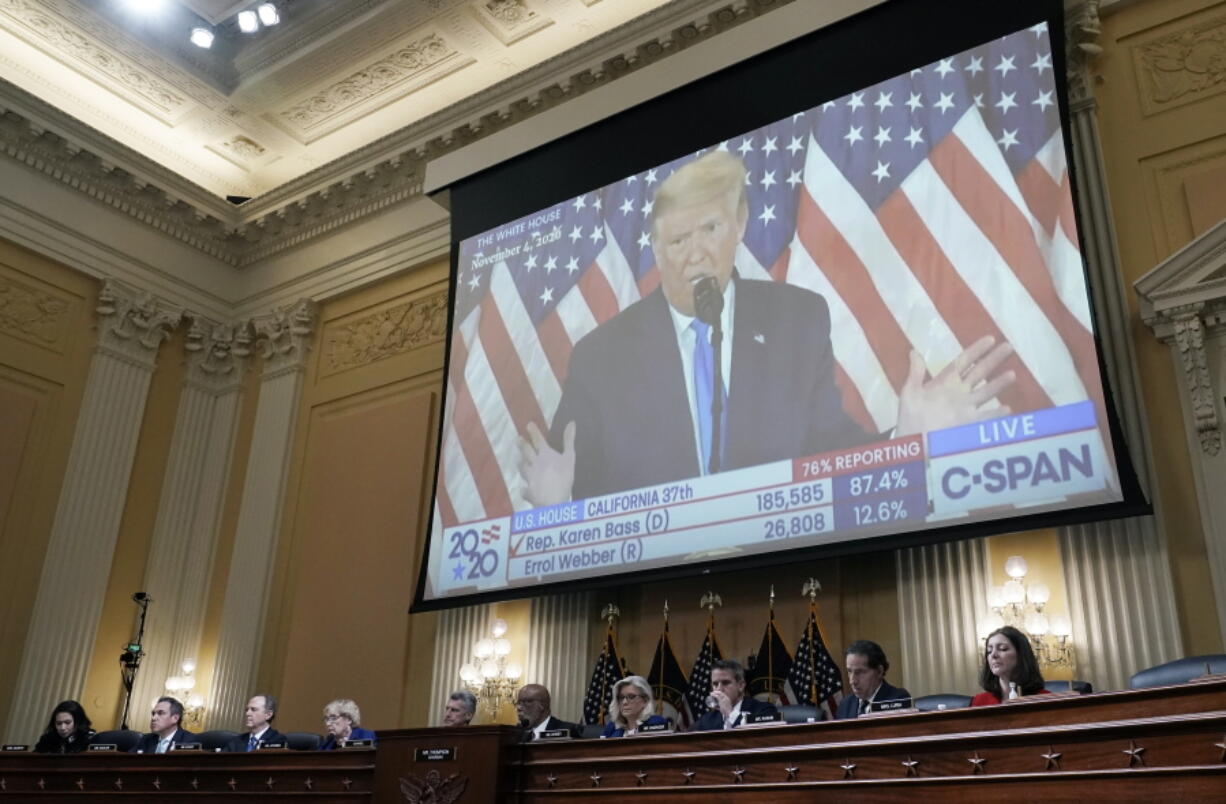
532, 706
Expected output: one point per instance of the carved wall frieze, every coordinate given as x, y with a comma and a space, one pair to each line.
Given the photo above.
1082, 29
408, 68
31, 314
509, 20
217, 353
284, 337
384, 334
1182, 67
132, 325
71, 32
1190, 342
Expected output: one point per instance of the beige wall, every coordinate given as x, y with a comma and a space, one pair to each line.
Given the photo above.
357, 508
46, 338
1162, 116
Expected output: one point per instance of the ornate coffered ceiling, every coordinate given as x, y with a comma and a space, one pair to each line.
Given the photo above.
256, 112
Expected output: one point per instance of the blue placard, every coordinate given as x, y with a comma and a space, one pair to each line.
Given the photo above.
1009, 429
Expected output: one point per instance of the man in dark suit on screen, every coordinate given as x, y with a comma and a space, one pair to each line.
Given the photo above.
164, 731
636, 405
866, 669
731, 708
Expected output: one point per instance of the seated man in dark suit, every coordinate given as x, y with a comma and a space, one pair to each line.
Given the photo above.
532, 704
732, 708
261, 709
164, 731
866, 668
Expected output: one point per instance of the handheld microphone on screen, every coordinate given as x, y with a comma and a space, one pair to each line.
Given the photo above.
708, 301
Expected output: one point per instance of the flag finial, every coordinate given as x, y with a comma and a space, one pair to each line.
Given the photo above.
772, 598
709, 601
610, 613
811, 588
666, 611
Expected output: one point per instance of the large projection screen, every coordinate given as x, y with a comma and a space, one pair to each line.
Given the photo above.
907, 346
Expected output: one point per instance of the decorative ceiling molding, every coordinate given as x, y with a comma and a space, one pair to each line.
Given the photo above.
387, 172
390, 78
509, 20
72, 33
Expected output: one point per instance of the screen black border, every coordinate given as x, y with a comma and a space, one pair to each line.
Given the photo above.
900, 34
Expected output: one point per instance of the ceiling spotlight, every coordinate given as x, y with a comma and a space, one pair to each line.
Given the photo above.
202, 37
248, 22
268, 14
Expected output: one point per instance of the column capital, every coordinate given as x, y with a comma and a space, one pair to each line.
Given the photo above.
217, 353
284, 337
132, 324
1082, 29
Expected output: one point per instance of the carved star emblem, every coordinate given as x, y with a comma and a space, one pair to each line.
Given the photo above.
689, 775
1221, 745
552, 779
595, 777
1135, 754
195, 784
157, 784
791, 771
80, 784
4, 784
910, 764
233, 784
1053, 759
642, 778
119, 784
309, 784
849, 769
977, 761
739, 773
42, 784
270, 782
347, 783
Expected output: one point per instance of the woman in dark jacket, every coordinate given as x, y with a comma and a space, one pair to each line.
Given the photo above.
68, 732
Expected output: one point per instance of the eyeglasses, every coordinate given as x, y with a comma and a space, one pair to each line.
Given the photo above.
629, 696
332, 718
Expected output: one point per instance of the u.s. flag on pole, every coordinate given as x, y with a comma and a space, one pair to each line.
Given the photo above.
928, 210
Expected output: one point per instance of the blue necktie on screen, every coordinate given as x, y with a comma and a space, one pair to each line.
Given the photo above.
704, 371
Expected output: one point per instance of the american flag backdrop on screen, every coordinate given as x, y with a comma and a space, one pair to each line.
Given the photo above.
935, 205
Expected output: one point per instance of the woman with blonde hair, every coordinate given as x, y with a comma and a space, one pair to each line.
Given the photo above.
632, 707
342, 719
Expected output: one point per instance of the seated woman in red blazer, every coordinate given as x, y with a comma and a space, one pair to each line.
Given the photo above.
1008, 663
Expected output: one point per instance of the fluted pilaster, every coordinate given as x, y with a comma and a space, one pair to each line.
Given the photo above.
56, 654
1118, 574
942, 589
284, 340
458, 629
189, 512
557, 649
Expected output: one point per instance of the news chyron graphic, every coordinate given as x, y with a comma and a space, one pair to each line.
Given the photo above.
904, 341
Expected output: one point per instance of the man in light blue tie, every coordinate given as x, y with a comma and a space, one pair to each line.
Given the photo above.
637, 403
164, 731
258, 717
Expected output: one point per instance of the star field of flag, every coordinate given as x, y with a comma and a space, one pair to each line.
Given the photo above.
814, 679
928, 210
